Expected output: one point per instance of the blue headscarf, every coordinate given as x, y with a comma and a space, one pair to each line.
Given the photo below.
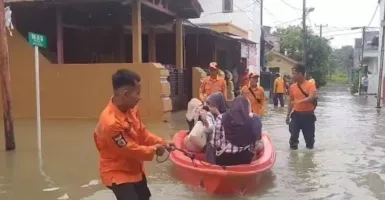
218, 100
241, 129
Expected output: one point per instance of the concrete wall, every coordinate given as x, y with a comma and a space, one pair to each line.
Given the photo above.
78, 90
246, 16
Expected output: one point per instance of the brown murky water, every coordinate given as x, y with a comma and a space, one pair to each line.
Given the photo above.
348, 162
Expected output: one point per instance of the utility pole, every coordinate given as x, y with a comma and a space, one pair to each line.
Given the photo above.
5, 83
262, 41
304, 34
362, 59
379, 92
320, 30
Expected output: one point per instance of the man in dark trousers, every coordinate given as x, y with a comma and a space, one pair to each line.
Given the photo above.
300, 115
279, 90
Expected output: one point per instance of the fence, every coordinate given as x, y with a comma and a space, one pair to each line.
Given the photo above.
179, 87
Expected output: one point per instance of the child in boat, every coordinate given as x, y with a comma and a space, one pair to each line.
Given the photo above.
196, 141
194, 108
235, 136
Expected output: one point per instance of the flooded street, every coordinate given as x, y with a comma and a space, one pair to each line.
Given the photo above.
348, 161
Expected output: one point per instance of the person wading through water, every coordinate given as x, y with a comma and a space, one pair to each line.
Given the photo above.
255, 94
300, 115
279, 90
123, 142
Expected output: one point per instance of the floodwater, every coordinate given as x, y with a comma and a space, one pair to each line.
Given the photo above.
347, 163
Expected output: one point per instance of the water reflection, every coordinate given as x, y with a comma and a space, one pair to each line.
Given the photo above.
348, 161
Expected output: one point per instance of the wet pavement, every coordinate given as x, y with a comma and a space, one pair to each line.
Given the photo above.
348, 161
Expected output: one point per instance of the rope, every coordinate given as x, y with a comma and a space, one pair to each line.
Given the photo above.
188, 154
162, 161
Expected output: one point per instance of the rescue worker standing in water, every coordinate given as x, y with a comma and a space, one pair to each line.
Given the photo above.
213, 83
300, 113
279, 90
255, 94
123, 142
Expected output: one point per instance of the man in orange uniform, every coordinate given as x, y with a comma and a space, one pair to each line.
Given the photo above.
212, 84
123, 142
279, 90
300, 115
255, 94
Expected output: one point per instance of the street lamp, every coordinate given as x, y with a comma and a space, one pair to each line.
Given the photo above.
309, 10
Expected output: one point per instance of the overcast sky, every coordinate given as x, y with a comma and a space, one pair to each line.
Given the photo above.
339, 15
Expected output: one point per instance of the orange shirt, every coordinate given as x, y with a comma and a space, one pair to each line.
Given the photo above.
123, 143
312, 81
296, 94
279, 85
210, 86
258, 104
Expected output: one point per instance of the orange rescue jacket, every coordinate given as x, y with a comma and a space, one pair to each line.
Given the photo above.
210, 86
123, 143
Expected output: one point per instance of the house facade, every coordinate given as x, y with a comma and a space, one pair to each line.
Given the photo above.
279, 63
238, 18
370, 58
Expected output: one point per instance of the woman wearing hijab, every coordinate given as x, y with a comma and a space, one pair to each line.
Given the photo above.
235, 135
217, 105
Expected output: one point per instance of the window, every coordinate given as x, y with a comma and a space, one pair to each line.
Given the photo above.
227, 6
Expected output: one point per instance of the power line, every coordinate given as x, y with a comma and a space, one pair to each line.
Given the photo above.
268, 11
287, 22
340, 30
321, 26
284, 2
343, 34
248, 16
374, 14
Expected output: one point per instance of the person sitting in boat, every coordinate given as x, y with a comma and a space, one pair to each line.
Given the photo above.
235, 136
201, 121
194, 108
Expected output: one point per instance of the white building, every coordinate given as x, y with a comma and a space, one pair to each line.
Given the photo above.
370, 58
382, 12
236, 17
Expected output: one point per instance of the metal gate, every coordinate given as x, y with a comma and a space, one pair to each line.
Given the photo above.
267, 82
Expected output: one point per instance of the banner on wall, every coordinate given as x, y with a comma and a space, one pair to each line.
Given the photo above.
249, 51
244, 50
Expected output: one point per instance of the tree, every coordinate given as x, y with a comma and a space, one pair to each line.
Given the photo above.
345, 58
318, 49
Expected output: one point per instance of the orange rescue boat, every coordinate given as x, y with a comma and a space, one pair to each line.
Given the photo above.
223, 180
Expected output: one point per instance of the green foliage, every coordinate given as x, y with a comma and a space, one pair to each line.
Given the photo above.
318, 50
355, 84
339, 78
344, 58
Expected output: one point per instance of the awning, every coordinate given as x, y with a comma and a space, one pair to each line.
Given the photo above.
193, 28
241, 39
